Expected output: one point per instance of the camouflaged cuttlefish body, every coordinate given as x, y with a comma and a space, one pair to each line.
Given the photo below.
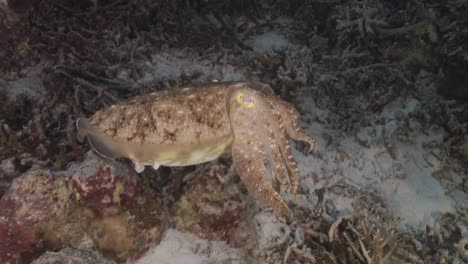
193, 125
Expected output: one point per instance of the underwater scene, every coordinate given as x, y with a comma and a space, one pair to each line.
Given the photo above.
233, 132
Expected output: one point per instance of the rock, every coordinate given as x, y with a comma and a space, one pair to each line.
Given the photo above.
72, 256
30, 200
210, 209
97, 204
109, 183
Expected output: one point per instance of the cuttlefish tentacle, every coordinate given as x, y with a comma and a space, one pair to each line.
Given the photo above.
278, 167
249, 165
291, 164
292, 124
273, 154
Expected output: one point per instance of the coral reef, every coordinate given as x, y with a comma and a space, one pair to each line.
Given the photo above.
381, 86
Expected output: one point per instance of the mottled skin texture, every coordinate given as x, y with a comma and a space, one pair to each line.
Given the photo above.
193, 125
187, 115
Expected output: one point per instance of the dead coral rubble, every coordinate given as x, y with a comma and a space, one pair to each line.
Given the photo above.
72, 256
369, 239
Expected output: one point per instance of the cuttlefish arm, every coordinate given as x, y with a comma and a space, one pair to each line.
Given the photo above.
260, 125
290, 122
251, 169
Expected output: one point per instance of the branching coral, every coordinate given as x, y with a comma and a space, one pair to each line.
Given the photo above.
367, 30
368, 237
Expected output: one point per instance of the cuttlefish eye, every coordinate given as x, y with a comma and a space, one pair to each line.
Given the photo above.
246, 100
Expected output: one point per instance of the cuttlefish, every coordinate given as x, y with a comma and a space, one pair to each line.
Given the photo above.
192, 125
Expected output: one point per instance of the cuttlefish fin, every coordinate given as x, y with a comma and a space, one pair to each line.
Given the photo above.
101, 144
82, 125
